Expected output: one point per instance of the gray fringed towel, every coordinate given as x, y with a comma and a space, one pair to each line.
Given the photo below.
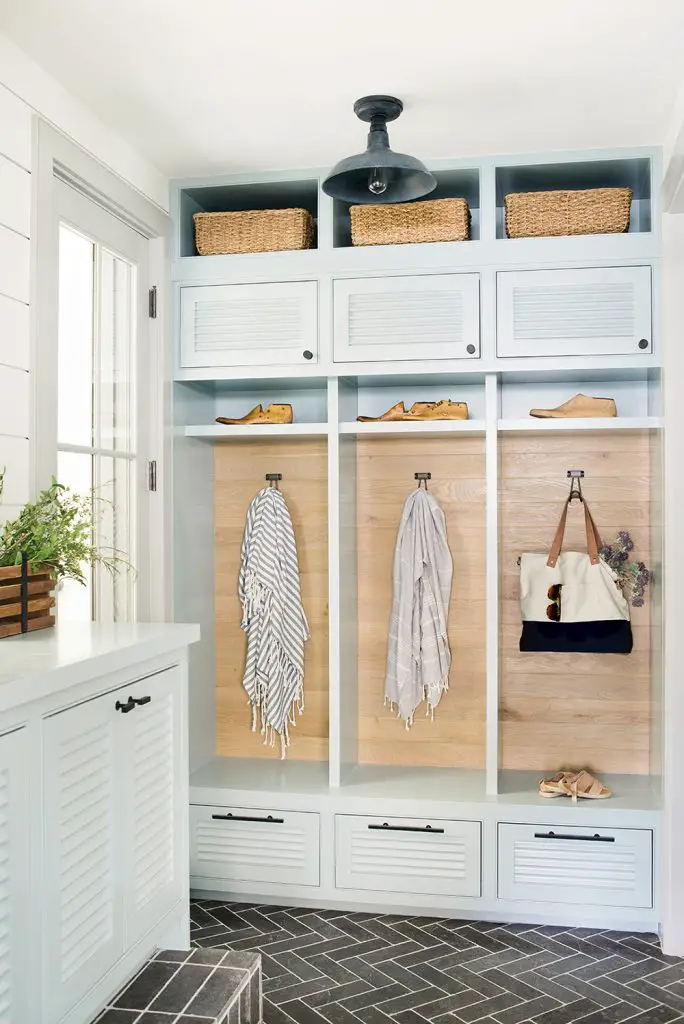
272, 617
418, 655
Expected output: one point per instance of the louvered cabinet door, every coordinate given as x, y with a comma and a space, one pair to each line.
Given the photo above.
593, 312
16, 964
152, 784
242, 844
440, 857
424, 317
592, 866
250, 324
83, 911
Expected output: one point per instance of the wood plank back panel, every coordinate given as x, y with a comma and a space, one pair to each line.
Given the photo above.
581, 710
240, 469
456, 737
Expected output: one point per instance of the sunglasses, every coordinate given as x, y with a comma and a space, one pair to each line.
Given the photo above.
553, 612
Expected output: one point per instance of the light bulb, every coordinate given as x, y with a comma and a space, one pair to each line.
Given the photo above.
377, 181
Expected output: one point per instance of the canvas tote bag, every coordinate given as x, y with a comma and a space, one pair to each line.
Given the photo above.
571, 601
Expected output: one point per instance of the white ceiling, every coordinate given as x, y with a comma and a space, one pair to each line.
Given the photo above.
210, 86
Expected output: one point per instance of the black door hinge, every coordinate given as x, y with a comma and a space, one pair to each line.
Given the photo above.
152, 308
152, 475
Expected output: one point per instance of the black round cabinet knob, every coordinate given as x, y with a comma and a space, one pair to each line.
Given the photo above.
470, 349
643, 343
307, 354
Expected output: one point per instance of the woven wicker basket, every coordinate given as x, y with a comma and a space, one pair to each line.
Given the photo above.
436, 220
218, 234
592, 211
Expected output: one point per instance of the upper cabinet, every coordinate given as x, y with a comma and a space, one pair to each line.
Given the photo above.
249, 324
407, 318
592, 312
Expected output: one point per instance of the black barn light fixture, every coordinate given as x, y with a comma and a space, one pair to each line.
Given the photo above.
379, 175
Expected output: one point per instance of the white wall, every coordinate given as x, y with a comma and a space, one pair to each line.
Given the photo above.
26, 89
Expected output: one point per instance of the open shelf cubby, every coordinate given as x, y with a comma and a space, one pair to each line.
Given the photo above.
459, 183
599, 711
379, 472
634, 173
228, 197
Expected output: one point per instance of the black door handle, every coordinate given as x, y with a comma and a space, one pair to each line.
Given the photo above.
125, 708
405, 828
140, 700
596, 838
270, 820
307, 353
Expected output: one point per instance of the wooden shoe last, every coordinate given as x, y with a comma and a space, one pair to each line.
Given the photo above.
581, 406
420, 411
258, 415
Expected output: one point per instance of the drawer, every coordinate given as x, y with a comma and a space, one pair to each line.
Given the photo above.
242, 844
554, 864
432, 856
590, 312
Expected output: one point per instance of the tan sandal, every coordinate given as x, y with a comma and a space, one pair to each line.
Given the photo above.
556, 786
583, 786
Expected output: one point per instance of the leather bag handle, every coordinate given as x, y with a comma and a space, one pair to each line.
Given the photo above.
594, 543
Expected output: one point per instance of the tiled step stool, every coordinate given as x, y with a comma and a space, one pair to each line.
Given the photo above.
204, 986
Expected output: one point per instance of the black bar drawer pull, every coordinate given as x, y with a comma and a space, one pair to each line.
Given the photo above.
270, 820
406, 828
596, 838
141, 700
125, 708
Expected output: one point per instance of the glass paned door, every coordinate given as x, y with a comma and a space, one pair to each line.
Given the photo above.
101, 434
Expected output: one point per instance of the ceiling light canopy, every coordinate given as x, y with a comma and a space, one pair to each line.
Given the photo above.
379, 175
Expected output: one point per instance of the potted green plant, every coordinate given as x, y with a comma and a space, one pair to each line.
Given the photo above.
52, 539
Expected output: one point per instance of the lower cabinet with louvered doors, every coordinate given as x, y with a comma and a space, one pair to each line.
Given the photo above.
408, 855
15, 947
113, 863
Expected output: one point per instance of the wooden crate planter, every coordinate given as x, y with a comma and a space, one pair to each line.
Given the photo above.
26, 599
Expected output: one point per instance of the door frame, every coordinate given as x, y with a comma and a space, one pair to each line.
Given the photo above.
57, 159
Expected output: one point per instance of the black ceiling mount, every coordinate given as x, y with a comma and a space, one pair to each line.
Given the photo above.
379, 175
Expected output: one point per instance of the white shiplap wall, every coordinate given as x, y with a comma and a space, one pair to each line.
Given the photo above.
27, 89
15, 233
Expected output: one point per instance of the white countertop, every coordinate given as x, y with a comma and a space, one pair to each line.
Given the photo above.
46, 661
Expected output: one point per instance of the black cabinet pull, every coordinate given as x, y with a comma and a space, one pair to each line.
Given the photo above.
307, 354
470, 349
270, 820
643, 343
125, 708
140, 700
596, 838
405, 828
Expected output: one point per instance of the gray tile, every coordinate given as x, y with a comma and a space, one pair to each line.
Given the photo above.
177, 994
525, 1011
118, 1017
217, 991
567, 1014
209, 956
145, 986
173, 955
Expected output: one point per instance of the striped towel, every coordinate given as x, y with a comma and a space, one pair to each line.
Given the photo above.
272, 617
418, 655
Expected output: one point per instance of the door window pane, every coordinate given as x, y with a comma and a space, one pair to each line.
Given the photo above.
75, 338
114, 420
113, 532
75, 601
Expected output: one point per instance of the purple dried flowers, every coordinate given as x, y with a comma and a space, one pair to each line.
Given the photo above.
633, 577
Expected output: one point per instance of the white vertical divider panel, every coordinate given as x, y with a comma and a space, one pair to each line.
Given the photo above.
334, 617
492, 402
342, 405
487, 201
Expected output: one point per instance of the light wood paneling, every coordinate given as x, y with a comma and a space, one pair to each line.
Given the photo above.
561, 710
456, 737
240, 469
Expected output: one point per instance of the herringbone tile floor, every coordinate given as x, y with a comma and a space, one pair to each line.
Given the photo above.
330, 967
